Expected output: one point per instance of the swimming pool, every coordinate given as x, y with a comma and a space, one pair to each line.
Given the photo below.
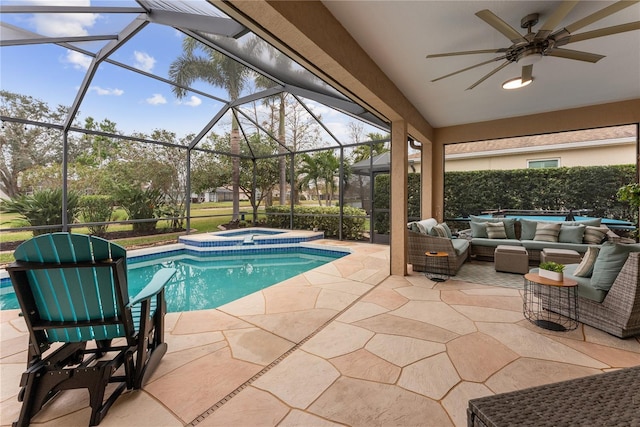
210, 279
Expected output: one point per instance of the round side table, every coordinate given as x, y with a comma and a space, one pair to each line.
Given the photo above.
436, 266
545, 300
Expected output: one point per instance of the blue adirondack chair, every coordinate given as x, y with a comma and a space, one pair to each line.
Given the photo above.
72, 289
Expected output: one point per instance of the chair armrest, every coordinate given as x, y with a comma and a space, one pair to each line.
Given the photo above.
157, 283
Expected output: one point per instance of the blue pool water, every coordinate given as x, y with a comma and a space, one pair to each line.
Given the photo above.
209, 281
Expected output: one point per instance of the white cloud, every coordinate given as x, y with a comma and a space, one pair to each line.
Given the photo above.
78, 60
156, 99
63, 24
144, 61
108, 91
193, 101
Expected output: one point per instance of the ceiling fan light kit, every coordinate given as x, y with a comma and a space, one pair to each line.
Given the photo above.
530, 48
516, 83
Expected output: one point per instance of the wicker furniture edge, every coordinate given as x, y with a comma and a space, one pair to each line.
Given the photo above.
605, 399
619, 312
419, 243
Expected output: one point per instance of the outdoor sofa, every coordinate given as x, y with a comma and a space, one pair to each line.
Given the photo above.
572, 235
608, 291
423, 236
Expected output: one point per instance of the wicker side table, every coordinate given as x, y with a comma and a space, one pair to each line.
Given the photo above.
436, 266
544, 299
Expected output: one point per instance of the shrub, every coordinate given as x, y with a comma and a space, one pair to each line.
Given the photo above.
96, 209
42, 208
141, 204
325, 218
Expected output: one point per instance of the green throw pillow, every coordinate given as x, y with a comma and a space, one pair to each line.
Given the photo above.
571, 233
447, 229
609, 262
528, 230
479, 229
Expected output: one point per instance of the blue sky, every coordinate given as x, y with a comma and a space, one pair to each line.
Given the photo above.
136, 103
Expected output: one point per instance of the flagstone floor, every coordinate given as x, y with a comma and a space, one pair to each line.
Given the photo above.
343, 344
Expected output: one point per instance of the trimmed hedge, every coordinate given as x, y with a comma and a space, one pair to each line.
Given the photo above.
310, 217
592, 187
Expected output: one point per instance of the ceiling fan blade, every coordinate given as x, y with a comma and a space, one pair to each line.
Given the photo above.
616, 29
468, 68
601, 14
555, 18
527, 72
575, 54
489, 75
497, 23
467, 52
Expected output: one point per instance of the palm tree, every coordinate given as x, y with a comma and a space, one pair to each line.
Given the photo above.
328, 165
219, 70
311, 173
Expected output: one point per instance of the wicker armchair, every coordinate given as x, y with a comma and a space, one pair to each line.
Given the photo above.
420, 243
619, 312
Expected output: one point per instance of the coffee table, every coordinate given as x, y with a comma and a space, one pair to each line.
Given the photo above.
544, 299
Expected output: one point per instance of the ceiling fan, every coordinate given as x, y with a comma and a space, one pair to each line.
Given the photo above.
531, 47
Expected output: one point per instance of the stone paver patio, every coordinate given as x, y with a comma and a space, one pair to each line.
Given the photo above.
343, 344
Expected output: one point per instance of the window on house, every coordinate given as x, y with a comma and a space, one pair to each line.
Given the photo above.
546, 163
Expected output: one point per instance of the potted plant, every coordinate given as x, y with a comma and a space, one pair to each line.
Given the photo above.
552, 270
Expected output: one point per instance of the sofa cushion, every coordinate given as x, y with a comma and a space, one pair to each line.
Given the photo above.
609, 262
571, 233
495, 230
585, 288
540, 245
492, 243
595, 222
547, 232
425, 225
509, 224
460, 245
595, 235
585, 268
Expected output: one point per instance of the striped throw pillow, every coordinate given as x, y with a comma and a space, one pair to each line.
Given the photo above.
595, 235
496, 230
585, 268
439, 231
547, 232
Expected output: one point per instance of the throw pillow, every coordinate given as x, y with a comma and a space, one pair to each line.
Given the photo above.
547, 232
438, 231
495, 230
426, 224
609, 262
585, 268
509, 224
413, 226
528, 231
571, 233
447, 229
595, 235
479, 229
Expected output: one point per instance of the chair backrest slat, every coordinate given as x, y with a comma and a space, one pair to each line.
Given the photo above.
77, 287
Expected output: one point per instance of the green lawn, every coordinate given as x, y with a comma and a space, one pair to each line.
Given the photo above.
198, 225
